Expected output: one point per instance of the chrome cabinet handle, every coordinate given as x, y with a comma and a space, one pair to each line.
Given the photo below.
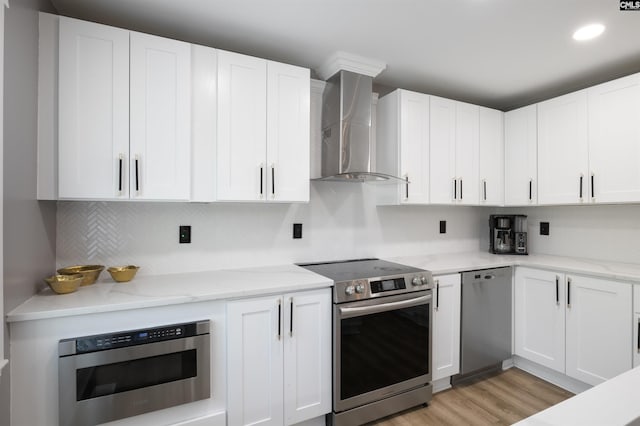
137, 161
568, 292
437, 294
279, 319
557, 290
273, 181
120, 160
291, 317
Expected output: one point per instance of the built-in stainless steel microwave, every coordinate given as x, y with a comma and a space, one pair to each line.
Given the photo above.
112, 376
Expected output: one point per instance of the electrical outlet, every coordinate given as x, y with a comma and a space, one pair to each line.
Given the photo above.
297, 231
544, 228
443, 226
185, 234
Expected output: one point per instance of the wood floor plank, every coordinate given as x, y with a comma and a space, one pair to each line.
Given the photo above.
498, 399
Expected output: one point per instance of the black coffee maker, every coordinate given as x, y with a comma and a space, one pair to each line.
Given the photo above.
508, 234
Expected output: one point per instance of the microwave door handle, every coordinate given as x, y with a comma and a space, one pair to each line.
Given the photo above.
383, 307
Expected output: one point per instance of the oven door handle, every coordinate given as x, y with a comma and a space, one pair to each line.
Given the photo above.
384, 307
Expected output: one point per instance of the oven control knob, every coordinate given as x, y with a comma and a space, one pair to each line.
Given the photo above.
416, 281
423, 280
359, 288
349, 290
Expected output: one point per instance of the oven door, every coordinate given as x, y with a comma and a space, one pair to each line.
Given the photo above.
381, 347
113, 384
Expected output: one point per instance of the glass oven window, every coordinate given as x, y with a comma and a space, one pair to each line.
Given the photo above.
101, 380
383, 349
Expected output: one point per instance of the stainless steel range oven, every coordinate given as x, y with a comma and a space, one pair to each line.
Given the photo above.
381, 338
112, 376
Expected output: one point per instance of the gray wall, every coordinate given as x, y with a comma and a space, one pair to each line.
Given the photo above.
29, 226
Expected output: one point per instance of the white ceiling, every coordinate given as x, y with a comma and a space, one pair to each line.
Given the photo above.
497, 53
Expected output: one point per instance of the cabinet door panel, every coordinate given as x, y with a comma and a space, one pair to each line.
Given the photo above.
467, 152
539, 317
414, 146
254, 362
307, 354
521, 156
491, 157
562, 149
241, 157
93, 110
614, 140
442, 160
599, 323
288, 137
160, 118
446, 326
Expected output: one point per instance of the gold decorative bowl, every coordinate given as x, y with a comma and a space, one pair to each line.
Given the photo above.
123, 274
63, 284
90, 273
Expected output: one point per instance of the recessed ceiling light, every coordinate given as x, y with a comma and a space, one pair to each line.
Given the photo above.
588, 32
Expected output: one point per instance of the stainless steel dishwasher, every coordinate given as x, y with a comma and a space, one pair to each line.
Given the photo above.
485, 338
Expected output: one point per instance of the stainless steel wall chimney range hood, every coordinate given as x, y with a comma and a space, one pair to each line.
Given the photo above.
346, 128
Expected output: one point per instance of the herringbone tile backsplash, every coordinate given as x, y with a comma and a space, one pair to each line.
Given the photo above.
341, 221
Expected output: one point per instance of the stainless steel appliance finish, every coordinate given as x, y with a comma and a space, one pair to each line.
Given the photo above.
485, 320
346, 128
508, 234
381, 340
113, 376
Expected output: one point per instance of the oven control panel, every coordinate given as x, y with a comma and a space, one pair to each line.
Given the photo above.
132, 337
350, 291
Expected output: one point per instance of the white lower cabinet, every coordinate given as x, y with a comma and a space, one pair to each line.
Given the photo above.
446, 326
279, 358
573, 324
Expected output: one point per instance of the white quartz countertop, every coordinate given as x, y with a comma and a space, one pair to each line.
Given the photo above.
614, 402
161, 290
149, 291
459, 262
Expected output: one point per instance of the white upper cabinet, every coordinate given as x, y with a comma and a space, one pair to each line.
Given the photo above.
521, 156
288, 137
563, 157
93, 111
491, 157
402, 146
614, 140
160, 144
242, 122
454, 153
263, 130
124, 114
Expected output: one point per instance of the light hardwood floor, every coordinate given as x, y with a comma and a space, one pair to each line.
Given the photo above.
498, 399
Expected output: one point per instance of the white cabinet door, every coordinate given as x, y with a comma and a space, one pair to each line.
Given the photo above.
242, 115
521, 156
414, 146
160, 144
443, 181
599, 323
446, 326
539, 317
288, 138
307, 355
491, 157
467, 152
614, 140
93, 110
255, 362
562, 150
